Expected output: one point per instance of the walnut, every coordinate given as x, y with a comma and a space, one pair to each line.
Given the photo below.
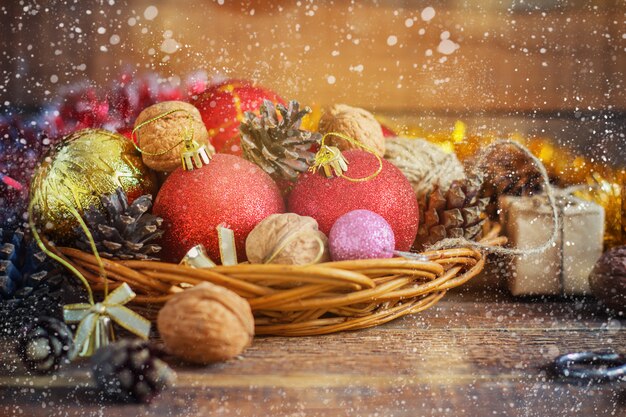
356, 123
287, 239
166, 132
206, 323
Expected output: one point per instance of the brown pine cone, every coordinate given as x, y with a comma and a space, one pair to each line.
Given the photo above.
508, 172
130, 370
459, 212
278, 145
122, 230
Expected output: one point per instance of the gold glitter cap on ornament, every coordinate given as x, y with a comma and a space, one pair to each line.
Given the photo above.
194, 155
331, 161
78, 171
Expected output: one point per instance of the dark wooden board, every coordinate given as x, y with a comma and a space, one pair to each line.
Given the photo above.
470, 355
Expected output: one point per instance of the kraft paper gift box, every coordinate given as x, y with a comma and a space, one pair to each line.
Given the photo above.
563, 268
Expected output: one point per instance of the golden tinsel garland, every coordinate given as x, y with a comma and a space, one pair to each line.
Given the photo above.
564, 167
609, 191
311, 120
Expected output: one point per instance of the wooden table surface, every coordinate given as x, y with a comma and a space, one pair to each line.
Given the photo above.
470, 355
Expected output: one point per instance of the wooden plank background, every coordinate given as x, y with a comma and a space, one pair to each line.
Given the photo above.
545, 56
470, 355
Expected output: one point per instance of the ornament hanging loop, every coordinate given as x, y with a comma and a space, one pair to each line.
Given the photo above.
332, 161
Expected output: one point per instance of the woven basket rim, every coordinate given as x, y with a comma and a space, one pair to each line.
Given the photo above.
298, 300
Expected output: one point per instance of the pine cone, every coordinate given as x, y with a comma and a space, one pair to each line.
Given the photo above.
130, 370
122, 231
45, 345
18, 261
509, 172
45, 297
31, 284
459, 212
279, 147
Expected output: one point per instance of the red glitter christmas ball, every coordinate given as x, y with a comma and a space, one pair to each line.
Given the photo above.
389, 194
230, 191
388, 132
222, 107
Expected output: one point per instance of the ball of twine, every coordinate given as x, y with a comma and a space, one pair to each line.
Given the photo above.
163, 136
287, 238
425, 165
356, 123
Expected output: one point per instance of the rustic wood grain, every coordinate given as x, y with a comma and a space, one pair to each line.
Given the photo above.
512, 56
471, 355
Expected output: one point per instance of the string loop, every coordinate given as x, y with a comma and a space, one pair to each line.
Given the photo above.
67, 265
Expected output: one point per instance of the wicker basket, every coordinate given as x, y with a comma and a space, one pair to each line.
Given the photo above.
290, 300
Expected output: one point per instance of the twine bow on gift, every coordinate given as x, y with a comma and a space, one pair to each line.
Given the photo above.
94, 329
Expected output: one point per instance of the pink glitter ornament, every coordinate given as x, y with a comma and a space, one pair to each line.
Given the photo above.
361, 234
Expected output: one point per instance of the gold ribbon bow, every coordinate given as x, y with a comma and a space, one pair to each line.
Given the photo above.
197, 257
95, 328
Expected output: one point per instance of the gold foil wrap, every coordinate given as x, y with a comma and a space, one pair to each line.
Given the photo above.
81, 169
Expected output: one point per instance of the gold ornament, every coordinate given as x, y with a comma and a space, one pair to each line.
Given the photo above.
78, 171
